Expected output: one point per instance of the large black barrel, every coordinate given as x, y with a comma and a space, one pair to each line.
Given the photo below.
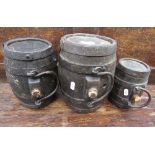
86, 69
131, 78
31, 70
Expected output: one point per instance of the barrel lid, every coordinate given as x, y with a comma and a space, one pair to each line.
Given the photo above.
133, 67
27, 48
88, 44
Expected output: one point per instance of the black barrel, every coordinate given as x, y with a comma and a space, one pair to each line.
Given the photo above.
131, 78
86, 70
31, 70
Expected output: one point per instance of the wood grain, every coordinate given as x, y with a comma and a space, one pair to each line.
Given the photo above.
51, 34
12, 113
2, 73
132, 42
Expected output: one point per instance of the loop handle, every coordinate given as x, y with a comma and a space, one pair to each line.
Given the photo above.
109, 84
144, 104
38, 102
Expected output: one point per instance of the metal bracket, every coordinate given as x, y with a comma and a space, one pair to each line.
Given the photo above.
35, 89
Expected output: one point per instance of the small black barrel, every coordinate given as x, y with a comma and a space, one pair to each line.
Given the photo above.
131, 78
31, 69
86, 70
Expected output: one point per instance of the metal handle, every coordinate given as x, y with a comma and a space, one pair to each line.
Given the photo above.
52, 73
144, 104
109, 83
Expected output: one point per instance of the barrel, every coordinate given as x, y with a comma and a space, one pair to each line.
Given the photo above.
31, 69
86, 70
130, 83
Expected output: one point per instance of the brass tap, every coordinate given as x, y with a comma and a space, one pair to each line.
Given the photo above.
36, 93
92, 93
136, 98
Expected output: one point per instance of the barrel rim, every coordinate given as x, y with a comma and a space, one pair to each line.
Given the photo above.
18, 55
125, 69
93, 50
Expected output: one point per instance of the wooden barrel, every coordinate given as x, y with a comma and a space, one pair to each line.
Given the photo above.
31, 70
86, 70
131, 79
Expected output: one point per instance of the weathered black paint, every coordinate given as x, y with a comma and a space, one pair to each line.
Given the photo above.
86, 66
31, 70
131, 76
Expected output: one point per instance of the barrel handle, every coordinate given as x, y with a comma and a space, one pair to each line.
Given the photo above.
109, 88
144, 104
38, 102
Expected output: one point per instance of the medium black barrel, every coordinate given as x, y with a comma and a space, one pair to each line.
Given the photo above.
31, 70
86, 69
131, 78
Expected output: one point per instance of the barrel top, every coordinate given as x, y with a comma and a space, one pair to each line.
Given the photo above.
27, 48
87, 41
88, 44
130, 66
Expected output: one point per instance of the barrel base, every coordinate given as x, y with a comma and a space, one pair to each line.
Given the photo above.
31, 105
80, 106
80, 110
119, 104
